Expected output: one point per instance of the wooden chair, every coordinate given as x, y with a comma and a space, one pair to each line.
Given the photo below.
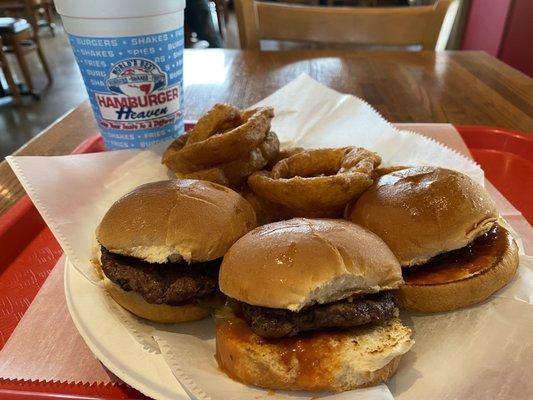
222, 9
6, 70
30, 10
428, 26
19, 38
48, 13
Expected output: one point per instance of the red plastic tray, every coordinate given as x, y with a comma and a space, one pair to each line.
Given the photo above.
28, 250
507, 159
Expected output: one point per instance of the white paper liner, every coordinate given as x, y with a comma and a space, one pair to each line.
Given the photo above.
142, 331
46, 330
73, 192
481, 352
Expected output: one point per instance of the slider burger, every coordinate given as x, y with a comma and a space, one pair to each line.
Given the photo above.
311, 307
161, 246
442, 226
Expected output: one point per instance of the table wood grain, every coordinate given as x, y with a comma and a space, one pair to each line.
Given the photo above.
453, 87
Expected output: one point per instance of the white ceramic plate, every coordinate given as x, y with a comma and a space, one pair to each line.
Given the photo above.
112, 344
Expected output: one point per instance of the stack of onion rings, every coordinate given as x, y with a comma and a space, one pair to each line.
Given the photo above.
317, 183
225, 146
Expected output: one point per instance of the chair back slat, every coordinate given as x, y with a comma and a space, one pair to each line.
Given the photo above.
390, 26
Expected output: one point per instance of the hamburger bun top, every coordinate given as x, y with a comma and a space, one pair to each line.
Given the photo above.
176, 219
424, 211
296, 263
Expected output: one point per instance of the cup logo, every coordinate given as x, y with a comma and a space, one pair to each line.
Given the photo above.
136, 77
138, 97
135, 85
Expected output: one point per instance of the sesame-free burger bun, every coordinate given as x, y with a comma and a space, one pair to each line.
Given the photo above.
294, 264
424, 211
177, 219
320, 361
299, 262
463, 277
162, 313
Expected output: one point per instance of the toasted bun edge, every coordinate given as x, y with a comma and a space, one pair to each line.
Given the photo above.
462, 293
364, 357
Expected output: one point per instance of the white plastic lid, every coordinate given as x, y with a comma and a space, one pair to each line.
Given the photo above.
112, 9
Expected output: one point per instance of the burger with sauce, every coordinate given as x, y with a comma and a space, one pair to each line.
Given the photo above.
161, 246
311, 307
443, 228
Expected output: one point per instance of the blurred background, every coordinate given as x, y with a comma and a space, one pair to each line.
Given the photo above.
40, 80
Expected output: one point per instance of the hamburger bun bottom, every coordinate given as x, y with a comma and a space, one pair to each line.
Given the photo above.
470, 277
318, 361
162, 313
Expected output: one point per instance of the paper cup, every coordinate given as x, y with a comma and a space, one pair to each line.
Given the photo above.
130, 54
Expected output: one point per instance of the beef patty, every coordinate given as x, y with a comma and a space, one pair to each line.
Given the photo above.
168, 283
277, 323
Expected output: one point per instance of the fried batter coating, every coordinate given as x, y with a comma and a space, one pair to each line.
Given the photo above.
225, 146
317, 183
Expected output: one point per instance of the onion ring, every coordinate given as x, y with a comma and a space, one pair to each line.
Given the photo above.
238, 171
317, 183
218, 148
286, 153
217, 120
235, 173
215, 175
171, 158
265, 211
225, 146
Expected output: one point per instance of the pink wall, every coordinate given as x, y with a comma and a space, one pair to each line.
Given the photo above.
485, 25
504, 29
517, 46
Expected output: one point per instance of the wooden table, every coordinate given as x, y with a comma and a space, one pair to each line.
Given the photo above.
454, 87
